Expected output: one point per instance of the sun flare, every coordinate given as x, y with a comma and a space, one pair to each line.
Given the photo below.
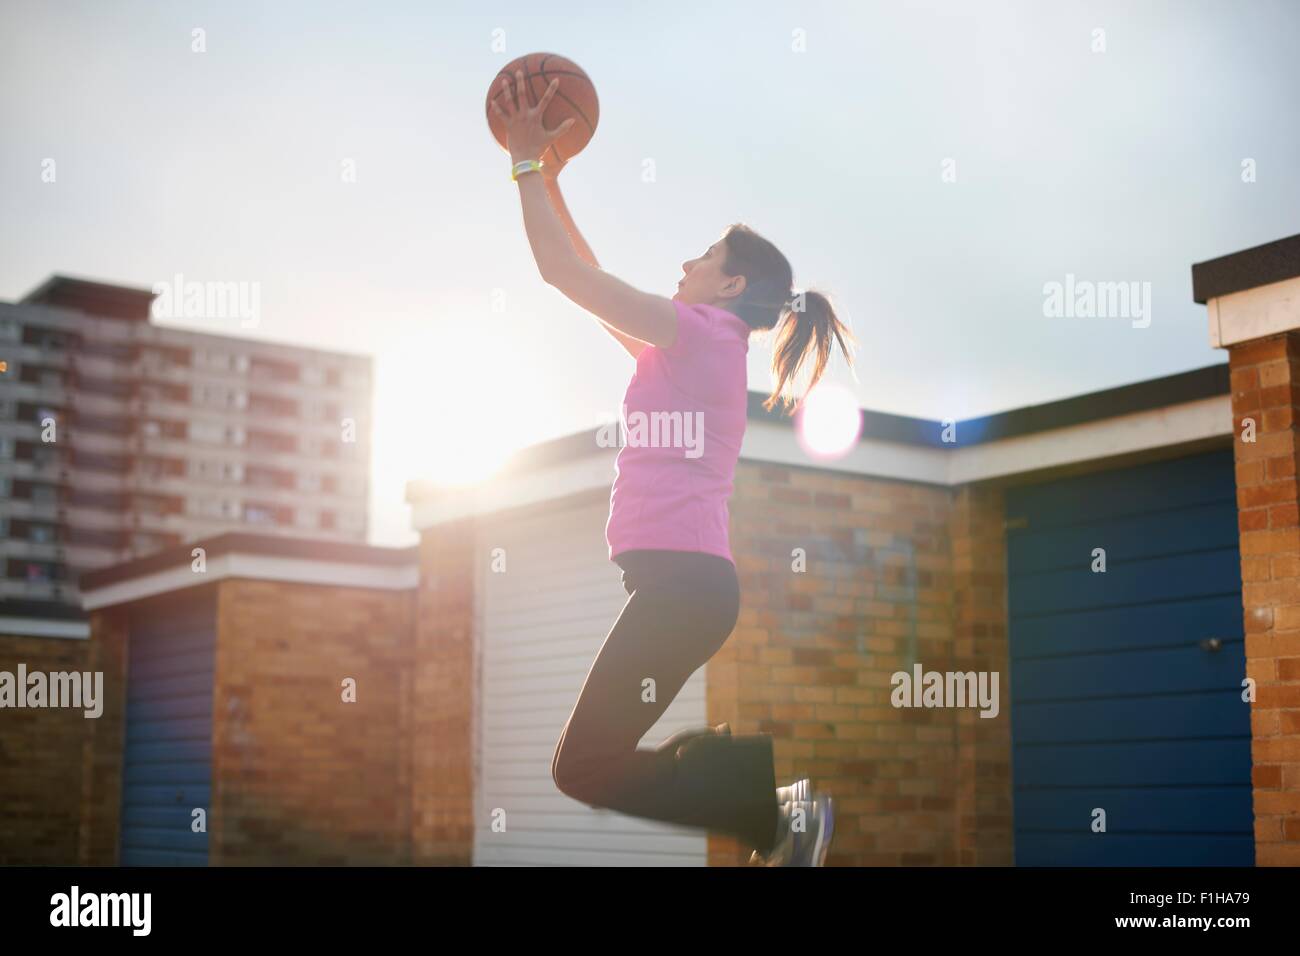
448, 415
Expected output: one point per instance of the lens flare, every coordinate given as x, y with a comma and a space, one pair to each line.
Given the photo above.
829, 422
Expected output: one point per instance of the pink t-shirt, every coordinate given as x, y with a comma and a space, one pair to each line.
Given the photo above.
683, 419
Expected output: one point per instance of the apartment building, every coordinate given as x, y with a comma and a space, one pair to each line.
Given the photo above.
120, 437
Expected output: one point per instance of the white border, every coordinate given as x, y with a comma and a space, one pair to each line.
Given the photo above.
38, 627
1254, 313
1166, 427
257, 567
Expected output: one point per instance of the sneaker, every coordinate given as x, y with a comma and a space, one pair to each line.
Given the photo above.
780, 850
811, 847
801, 790
807, 848
797, 791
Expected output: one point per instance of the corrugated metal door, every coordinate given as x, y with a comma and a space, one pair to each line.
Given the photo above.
1126, 685
540, 625
167, 767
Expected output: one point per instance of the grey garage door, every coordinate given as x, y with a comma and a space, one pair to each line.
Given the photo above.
540, 625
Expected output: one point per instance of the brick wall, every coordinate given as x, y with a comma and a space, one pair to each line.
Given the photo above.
985, 831
812, 657
101, 761
442, 689
41, 753
299, 776
1266, 389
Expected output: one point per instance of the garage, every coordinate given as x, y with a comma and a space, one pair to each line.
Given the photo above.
1126, 683
167, 758
541, 623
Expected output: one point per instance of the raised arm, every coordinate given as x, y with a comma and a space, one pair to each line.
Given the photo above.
634, 346
636, 314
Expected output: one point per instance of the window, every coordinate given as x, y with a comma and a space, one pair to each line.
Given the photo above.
258, 514
10, 331
219, 508
211, 432
217, 361
207, 395
41, 533
147, 542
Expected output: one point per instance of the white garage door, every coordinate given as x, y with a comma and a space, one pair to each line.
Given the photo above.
540, 625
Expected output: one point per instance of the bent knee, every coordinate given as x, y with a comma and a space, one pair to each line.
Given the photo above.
565, 772
573, 783
578, 779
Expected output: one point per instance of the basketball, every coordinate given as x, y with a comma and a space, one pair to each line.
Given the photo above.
575, 98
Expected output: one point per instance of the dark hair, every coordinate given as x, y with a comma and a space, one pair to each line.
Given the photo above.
808, 322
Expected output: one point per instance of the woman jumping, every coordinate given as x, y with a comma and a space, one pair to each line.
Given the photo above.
668, 518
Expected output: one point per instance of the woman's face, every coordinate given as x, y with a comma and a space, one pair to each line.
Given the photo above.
704, 282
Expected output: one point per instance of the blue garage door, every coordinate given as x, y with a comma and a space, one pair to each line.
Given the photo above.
167, 768
1126, 685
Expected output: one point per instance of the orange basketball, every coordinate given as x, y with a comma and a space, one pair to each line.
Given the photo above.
575, 98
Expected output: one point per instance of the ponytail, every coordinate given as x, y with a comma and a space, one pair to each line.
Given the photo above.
807, 326
805, 322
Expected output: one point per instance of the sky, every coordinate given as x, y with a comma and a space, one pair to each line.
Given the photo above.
934, 166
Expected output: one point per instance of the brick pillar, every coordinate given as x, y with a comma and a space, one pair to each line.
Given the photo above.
1266, 390
101, 755
983, 799
442, 699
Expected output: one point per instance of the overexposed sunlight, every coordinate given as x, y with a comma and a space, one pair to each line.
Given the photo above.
829, 423
446, 410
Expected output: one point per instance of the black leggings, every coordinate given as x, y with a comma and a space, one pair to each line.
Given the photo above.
681, 608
